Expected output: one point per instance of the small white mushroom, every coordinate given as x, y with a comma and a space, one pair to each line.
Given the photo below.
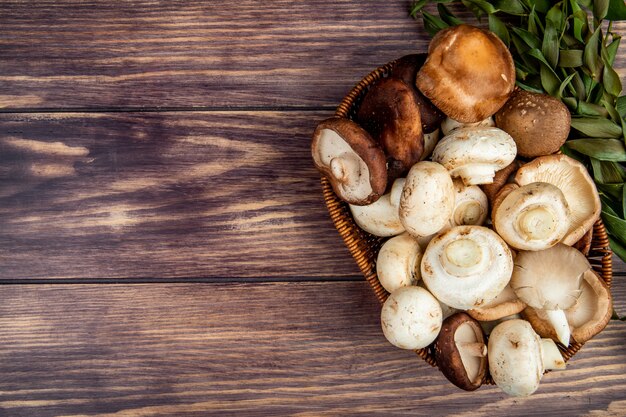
505, 304
411, 318
517, 358
467, 266
381, 218
448, 125
475, 153
398, 262
427, 199
430, 141
532, 217
550, 280
470, 205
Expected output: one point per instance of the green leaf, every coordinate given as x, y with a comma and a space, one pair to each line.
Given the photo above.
571, 58
611, 81
591, 56
619, 250
615, 225
432, 23
549, 81
600, 8
590, 109
579, 17
596, 127
602, 149
617, 10
565, 84
529, 87
447, 16
556, 17
614, 191
529, 39
579, 86
532, 22
586, 3
623, 201
498, 27
612, 48
550, 44
620, 105
542, 6
416, 7
514, 7
607, 172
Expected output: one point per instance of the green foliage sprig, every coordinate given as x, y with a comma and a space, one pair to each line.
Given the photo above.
566, 49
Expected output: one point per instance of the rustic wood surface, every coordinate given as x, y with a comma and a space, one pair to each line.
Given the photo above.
164, 246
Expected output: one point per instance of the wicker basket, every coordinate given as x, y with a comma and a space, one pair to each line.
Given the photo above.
364, 247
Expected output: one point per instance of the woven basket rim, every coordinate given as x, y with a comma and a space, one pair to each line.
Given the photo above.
364, 246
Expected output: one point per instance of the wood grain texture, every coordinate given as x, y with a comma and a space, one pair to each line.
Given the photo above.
94, 54
164, 195
304, 349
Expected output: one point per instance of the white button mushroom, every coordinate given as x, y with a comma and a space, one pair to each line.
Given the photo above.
382, 217
411, 318
550, 280
467, 266
470, 205
430, 141
517, 358
532, 217
475, 153
427, 199
448, 125
398, 262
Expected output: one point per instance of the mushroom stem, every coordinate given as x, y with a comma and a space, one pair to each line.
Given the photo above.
551, 356
464, 257
473, 174
536, 222
477, 349
344, 167
558, 320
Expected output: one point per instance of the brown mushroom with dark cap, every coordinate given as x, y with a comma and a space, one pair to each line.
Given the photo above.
405, 69
391, 114
538, 123
461, 351
352, 161
469, 73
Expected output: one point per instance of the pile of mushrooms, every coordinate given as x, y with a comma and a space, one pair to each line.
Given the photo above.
460, 170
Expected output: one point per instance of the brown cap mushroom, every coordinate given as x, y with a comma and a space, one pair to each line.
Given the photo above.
348, 156
586, 318
406, 69
461, 351
469, 73
539, 123
577, 186
391, 113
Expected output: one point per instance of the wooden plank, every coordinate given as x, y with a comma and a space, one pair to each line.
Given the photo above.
305, 349
94, 54
155, 195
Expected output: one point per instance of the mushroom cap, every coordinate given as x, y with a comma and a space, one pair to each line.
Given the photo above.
470, 205
449, 124
467, 266
505, 304
475, 153
539, 123
427, 199
391, 113
381, 218
499, 198
577, 186
532, 217
398, 262
406, 69
352, 161
586, 318
430, 141
457, 350
499, 180
549, 279
469, 73
411, 318
515, 357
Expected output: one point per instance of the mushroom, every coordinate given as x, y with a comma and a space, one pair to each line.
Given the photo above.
532, 217
448, 125
499, 180
470, 207
430, 141
586, 318
518, 359
348, 156
391, 113
499, 198
406, 69
475, 153
488, 326
539, 123
505, 304
411, 318
466, 266
427, 199
577, 186
461, 351
381, 218
398, 262
469, 73
446, 310
550, 280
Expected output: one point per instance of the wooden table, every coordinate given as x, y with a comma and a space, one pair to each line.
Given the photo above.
164, 246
